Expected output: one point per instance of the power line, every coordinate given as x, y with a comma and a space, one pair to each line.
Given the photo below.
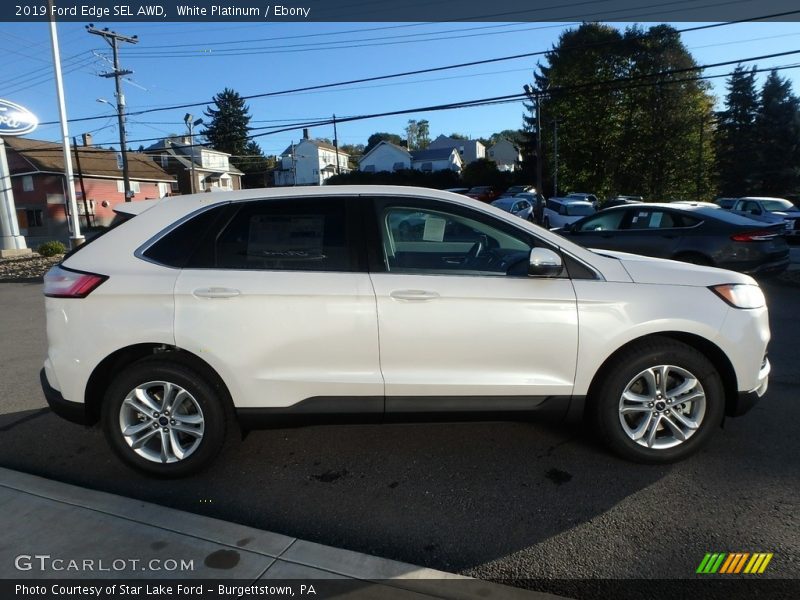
427, 70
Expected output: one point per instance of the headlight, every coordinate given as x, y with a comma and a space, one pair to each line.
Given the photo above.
740, 295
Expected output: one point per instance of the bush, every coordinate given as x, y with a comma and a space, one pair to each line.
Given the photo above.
53, 248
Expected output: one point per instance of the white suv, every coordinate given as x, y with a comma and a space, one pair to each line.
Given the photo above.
272, 307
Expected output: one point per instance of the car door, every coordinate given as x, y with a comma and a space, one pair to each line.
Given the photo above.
459, 318
278, 301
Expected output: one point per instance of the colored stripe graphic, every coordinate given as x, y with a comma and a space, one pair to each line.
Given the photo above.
734, 563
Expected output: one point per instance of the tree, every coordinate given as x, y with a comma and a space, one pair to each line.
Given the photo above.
377, 138
254, 165
624, 125
418, 134
229, 123
736, 134
777, 132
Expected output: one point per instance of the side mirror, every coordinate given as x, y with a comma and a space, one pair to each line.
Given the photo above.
544, 263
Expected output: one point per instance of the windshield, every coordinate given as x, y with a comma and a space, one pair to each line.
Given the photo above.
777, 205
579, 210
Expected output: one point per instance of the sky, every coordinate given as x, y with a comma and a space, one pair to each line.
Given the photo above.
176, 63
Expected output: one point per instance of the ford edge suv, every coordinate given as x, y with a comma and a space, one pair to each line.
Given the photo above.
278, 307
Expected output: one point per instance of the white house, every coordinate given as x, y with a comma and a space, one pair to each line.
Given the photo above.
310, 162
390, 157
505, 154
469, 150
385, 156
211, 168
437, 159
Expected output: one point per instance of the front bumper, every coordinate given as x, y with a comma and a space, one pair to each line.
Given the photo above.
71, 411
744, 401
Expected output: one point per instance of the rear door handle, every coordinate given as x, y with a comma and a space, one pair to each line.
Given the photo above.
417, 295
216, 292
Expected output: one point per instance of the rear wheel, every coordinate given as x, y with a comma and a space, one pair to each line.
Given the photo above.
660, 401
163, 419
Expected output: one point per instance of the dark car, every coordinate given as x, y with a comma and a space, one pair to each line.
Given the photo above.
484, 193
694, 234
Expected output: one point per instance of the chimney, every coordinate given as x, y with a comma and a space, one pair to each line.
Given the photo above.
87, 139
305, 134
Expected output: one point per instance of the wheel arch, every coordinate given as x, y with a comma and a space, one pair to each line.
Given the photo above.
103, 374
709, 349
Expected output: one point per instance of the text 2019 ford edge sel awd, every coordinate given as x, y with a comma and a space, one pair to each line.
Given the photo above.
331, 304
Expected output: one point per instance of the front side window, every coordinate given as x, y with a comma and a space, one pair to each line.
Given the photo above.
605, 221
434, 238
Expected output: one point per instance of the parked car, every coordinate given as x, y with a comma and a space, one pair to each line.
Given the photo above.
726, 203
773, 209
621, 201
583, 196
520, 207
484, 193
695, 234
293, 305
517, 189
559, 212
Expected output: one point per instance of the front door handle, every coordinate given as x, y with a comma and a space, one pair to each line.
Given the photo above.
417, 295
216, 292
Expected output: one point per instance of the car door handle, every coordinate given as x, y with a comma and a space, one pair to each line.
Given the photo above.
216, 292
419, 295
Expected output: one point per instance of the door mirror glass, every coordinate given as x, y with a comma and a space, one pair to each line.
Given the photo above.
544, 263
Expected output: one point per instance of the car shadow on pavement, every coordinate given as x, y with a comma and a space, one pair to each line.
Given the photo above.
448, 496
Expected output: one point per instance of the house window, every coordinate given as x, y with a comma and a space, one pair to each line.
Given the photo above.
27, 183
491, 152
398, 166
174, 186
427, 166
369, 169
165, 160
135, 188
34, 217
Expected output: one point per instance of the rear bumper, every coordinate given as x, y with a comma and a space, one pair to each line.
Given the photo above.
771, 268
71, 411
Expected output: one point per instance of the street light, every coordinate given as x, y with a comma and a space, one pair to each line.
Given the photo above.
188, 118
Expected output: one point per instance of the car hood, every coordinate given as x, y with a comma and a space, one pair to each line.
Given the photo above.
645, 269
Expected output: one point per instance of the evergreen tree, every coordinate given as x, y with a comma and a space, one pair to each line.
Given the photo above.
736, 139
777, 133
229, 123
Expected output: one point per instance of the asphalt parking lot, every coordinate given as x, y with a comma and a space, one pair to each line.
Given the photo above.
510, 501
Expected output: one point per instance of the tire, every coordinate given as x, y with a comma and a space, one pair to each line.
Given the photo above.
627, 373
198, 409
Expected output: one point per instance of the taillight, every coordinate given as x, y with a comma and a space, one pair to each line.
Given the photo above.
60, 282
761, 235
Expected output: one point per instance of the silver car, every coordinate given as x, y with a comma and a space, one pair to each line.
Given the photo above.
520, 207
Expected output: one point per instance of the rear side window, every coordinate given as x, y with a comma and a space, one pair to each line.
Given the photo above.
176, 247
298, 234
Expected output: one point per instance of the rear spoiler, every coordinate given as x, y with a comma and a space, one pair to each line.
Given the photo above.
131, 209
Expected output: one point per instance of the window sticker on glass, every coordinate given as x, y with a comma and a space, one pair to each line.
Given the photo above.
655, 219
434, 229
289, 237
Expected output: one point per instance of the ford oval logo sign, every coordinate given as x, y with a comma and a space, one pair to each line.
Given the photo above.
15, 119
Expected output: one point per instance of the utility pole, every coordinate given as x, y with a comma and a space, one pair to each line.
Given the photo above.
191, 124
555, 157
80, 179
536, 96
336, 146
294, 167
118, 73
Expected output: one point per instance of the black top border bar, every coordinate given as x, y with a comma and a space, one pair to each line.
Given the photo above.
165, 11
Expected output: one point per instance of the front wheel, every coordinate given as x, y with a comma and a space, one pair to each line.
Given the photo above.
163, 419
660, 401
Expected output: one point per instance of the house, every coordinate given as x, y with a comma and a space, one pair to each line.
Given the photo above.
386, 156
38, 182
469, 150
310, 162
505, 154
211, 168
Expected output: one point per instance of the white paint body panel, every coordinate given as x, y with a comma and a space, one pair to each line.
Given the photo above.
294, 335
